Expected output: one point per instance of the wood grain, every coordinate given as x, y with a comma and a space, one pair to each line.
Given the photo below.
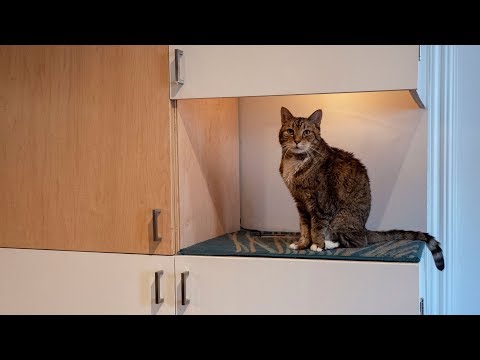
85, 150
208, 160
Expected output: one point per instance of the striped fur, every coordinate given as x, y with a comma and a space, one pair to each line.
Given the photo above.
331, 190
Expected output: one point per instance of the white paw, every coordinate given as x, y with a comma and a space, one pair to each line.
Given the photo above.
331, 244
293, 246
315, 247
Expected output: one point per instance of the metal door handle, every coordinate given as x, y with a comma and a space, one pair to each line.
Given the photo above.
178, 68
156, 212
158, 298
185, 301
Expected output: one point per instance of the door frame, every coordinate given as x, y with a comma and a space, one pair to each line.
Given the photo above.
438, 83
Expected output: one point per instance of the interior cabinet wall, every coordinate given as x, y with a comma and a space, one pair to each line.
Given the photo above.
385, 130
208, 163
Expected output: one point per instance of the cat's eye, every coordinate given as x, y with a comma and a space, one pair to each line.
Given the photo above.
290, 131
306, 132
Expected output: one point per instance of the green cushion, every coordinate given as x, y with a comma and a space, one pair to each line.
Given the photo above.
249, 243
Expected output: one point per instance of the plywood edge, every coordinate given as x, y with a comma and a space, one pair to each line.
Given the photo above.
416, 98
175, 213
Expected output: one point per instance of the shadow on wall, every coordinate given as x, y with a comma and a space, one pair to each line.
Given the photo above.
385, 130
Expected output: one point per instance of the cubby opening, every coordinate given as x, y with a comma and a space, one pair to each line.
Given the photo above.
229, 156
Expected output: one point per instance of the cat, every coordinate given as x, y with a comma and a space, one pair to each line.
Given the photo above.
331, 189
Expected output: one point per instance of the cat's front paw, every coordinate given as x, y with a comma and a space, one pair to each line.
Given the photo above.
300, 244
315, 247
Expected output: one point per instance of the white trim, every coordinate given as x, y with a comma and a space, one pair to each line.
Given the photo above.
438, 81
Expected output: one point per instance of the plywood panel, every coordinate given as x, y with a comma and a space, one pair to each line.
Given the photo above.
69, 282
85, 150
208, 153
259, 70
256, 286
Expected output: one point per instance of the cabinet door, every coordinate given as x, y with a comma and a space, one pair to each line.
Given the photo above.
85, 148
234, 71
233, 285
67, 282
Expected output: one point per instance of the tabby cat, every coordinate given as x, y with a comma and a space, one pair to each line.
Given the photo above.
331, 189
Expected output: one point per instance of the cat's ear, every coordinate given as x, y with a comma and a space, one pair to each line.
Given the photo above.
316, 117
286, 115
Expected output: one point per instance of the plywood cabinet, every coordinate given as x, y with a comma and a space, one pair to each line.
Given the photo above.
85, 148
91, 143
93, 139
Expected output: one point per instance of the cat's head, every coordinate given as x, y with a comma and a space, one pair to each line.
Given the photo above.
300, 135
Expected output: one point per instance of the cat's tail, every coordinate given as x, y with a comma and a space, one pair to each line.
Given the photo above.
432, 244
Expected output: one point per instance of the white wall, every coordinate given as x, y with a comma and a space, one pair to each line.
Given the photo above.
466, 288
385, 130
